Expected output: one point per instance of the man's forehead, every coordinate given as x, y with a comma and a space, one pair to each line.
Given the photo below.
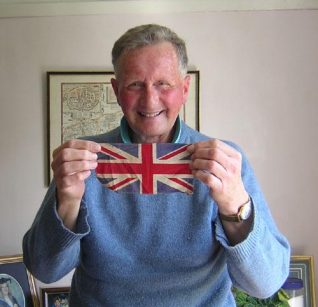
158, 51
153, 64
148, 76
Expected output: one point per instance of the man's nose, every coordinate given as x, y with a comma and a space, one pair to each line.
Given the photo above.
150, 96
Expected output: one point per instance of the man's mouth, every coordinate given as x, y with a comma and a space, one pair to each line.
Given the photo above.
150, 114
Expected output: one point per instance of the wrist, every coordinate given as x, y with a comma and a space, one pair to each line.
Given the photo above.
231, 207
243, 212
68, 211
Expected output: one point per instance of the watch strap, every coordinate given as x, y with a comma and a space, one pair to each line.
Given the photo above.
238, 217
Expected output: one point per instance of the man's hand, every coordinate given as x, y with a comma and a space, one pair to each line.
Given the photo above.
72, 164
218, 165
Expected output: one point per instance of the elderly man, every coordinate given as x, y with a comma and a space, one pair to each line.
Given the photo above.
156, 250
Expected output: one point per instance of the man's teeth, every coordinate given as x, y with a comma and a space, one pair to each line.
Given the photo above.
154, 114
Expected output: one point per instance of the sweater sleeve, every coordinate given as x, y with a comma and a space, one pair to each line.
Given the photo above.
50, 250
260, 264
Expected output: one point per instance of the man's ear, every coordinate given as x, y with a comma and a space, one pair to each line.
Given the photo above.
186, 87
115, 88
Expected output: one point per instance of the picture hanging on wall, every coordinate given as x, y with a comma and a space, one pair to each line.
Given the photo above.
55, 297
302, 267
16, 283
298, 290
84, 103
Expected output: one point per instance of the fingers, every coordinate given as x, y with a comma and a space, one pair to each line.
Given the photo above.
71, 155
215, 157
73, 167
78, 144
206, 167
74, 157
218, 165
212, 144
71, 180
209, 179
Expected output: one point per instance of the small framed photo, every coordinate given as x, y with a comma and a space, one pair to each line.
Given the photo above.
17, 287
51, 297
84, 103
302, 267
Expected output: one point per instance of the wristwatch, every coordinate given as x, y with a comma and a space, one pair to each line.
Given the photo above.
243, 213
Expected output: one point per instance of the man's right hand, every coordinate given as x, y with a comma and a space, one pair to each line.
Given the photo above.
72, 164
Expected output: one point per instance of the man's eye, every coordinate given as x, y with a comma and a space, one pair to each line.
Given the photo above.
163, 84
135, 85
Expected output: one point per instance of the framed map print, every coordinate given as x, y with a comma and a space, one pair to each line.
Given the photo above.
83, 103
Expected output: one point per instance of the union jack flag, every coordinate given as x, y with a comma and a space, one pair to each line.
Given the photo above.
145, 168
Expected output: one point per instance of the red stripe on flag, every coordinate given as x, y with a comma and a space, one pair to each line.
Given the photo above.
147, 170
118, 168
174, 153
111, 153
165, 169
182, 183
121, 183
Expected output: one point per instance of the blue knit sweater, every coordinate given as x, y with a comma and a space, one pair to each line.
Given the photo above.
156, 250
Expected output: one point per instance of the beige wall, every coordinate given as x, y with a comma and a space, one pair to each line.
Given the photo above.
259, 72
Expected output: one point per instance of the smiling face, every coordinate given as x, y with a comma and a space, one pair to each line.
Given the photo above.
151, 91
4, 289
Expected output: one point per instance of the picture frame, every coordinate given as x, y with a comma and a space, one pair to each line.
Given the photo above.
50, 295
302, 267
17, 282
82, 103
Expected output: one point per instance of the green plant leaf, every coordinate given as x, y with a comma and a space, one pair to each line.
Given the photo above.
282, 295
242, 299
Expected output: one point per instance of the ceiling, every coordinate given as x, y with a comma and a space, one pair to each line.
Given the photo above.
251, 3
55, 1
36, 8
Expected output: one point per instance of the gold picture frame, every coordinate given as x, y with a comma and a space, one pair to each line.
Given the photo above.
82, 103
49, 296
18, 280
302, 267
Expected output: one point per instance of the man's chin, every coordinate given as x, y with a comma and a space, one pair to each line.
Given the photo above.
154, 137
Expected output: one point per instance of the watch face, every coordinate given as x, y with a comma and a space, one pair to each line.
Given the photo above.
246, 211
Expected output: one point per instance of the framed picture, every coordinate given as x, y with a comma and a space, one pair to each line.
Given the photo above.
302, 267
83, 104
51, 297
16, 283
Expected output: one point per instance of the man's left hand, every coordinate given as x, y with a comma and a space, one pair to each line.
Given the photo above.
219, 165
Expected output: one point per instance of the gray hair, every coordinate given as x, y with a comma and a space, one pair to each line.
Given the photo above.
146, 35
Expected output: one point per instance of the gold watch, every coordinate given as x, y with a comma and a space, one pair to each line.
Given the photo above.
243, 213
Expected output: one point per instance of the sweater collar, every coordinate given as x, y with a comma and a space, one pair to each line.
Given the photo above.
124, 131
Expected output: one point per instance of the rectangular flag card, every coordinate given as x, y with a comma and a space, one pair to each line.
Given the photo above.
145, 168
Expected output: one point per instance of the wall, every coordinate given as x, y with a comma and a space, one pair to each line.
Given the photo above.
259, 74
